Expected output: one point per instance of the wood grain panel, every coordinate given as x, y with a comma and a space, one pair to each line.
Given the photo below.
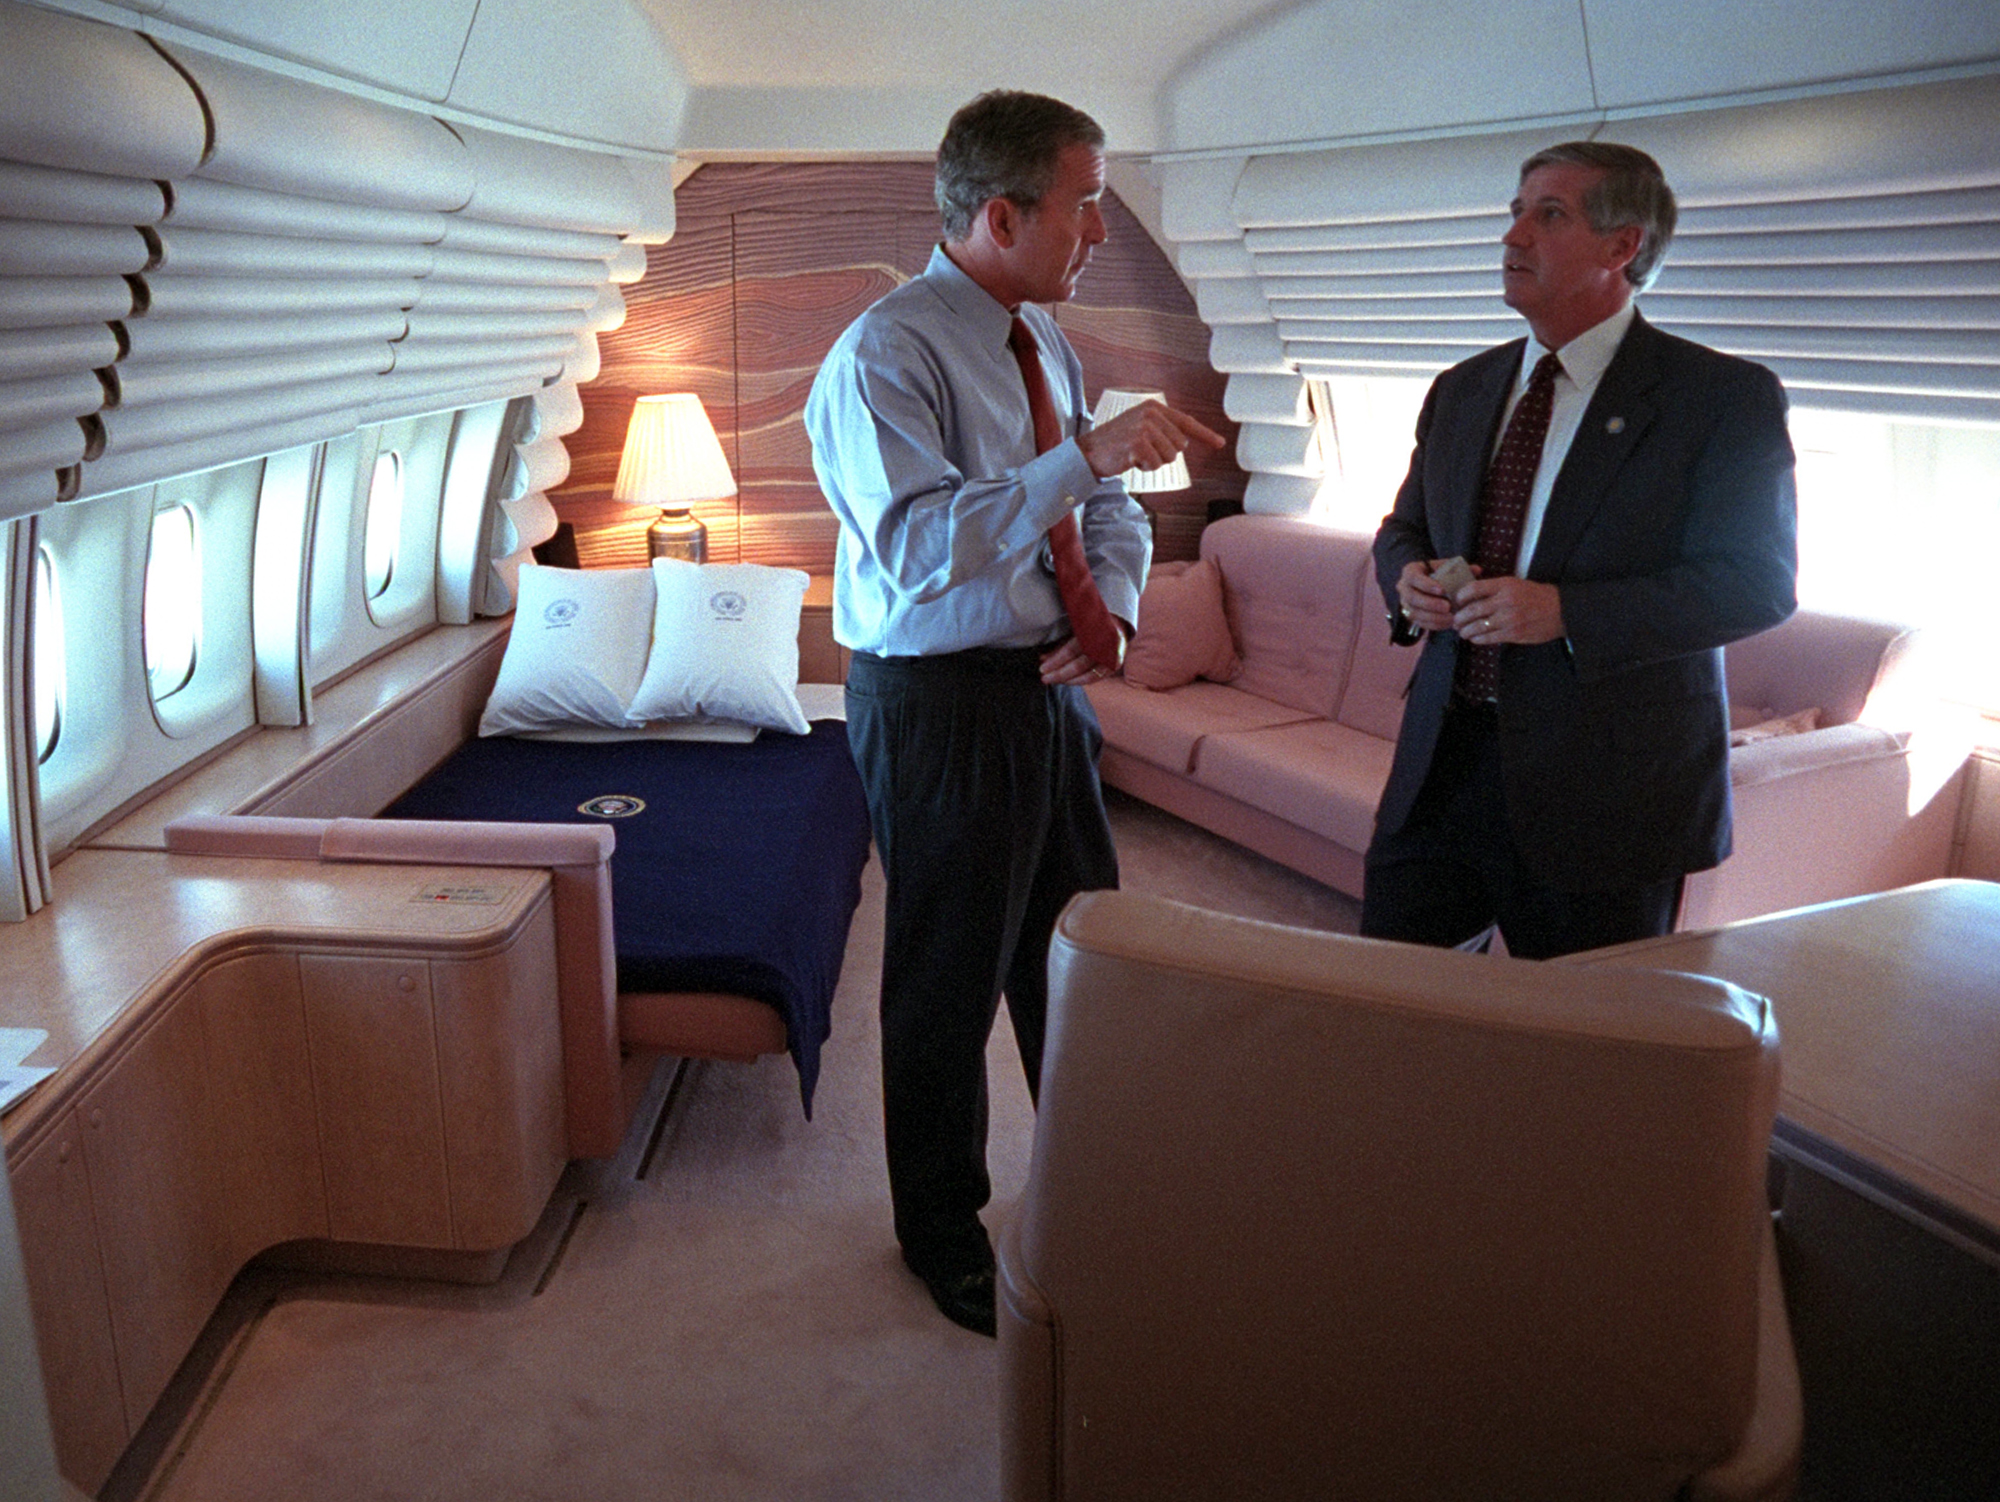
266, 1135
375, 1082
500, 1043
147, 1144
771, 261
72, 1312
678, 335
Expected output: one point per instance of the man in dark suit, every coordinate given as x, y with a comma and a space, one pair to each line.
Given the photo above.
1563, 760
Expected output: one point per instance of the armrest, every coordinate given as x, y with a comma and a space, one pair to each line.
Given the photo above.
1832, 813
1788, 755
1029, 1421
1765, 1467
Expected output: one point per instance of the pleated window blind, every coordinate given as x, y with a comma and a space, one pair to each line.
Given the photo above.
202, 263
1851, 243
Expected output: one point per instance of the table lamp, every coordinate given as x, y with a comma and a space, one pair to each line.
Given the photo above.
672, 459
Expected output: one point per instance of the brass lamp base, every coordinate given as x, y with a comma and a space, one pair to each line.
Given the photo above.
678, 534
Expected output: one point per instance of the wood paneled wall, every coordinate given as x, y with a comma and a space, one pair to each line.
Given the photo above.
769, 263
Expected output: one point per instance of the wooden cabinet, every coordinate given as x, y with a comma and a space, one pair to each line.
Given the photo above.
500, 1089
276, 1095
72, 1310
149, 1149
375, 1077
264, 1131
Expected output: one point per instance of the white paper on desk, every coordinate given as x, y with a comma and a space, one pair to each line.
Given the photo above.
16, 1080
16, 1043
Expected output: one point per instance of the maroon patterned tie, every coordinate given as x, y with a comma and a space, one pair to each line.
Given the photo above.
1503, 508
1096, 632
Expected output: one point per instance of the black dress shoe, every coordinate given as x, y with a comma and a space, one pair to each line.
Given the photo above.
965, 1297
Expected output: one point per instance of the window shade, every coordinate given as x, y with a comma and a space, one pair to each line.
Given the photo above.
56, 351
90, 98
1851, 243
254, 262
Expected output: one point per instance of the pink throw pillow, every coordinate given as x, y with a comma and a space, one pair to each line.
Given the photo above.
1183, 634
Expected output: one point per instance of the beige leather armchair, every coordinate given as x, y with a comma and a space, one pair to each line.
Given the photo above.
1318, 1217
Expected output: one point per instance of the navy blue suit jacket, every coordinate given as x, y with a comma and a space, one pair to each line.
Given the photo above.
1670, 531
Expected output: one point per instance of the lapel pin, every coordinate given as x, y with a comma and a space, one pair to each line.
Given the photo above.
1615, 425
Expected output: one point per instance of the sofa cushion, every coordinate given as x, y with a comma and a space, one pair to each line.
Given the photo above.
1166, 729
1294, 623
1183, 634
1321, 776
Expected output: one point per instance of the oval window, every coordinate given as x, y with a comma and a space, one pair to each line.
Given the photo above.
49, 656
173, 602
385, 522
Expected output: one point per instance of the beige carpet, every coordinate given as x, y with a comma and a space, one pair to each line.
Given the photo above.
735, 1324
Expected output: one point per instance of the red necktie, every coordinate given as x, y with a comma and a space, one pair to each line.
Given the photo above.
1503, 508
1096, 632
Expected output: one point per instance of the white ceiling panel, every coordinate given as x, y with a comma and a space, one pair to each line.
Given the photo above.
1337, 69
599, 70
410, 48
1647, 53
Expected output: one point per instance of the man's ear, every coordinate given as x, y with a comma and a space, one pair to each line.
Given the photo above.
1002, 218
1622, 245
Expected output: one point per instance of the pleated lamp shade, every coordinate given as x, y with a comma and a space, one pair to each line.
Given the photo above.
672, 460
1171, 476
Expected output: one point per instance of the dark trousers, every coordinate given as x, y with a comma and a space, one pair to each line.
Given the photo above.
1452, 871
983, 793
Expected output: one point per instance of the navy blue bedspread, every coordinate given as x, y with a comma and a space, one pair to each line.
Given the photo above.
740, 873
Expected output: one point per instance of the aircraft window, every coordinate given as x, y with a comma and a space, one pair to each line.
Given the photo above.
385, 522
1875, 497
173, 602
48, 656
1365, 427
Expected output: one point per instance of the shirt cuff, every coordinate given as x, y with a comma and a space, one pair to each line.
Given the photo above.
1069, 479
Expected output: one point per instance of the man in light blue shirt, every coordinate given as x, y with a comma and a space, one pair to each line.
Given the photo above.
965, 709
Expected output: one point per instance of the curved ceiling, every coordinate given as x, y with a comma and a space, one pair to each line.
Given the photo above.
777, 78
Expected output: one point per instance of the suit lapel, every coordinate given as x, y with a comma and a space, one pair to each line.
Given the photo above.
1486, 395
1620, 411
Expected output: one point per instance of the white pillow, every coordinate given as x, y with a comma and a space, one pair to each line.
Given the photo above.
725, 645
576, 651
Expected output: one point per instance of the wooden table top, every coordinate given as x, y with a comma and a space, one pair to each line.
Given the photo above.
1888, 1012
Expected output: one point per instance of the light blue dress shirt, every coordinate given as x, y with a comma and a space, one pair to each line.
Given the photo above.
925, 449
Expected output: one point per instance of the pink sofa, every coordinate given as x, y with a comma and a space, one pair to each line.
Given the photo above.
1289, 757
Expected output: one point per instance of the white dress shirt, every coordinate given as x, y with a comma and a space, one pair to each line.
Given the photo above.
925, 449
1583, 362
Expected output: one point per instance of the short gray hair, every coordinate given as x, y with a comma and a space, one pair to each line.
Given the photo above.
1633, 190
1004, 144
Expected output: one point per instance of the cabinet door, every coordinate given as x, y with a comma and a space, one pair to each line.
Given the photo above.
147, 1142
72, 1315
375, 1084
261, 1104
500, 1047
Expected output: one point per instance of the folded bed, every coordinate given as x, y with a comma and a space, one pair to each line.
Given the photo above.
735, 877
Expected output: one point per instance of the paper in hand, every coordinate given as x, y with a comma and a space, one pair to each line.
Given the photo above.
1452, 574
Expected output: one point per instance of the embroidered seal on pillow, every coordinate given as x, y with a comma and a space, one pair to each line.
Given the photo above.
612, 806
561, 612
728, 605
